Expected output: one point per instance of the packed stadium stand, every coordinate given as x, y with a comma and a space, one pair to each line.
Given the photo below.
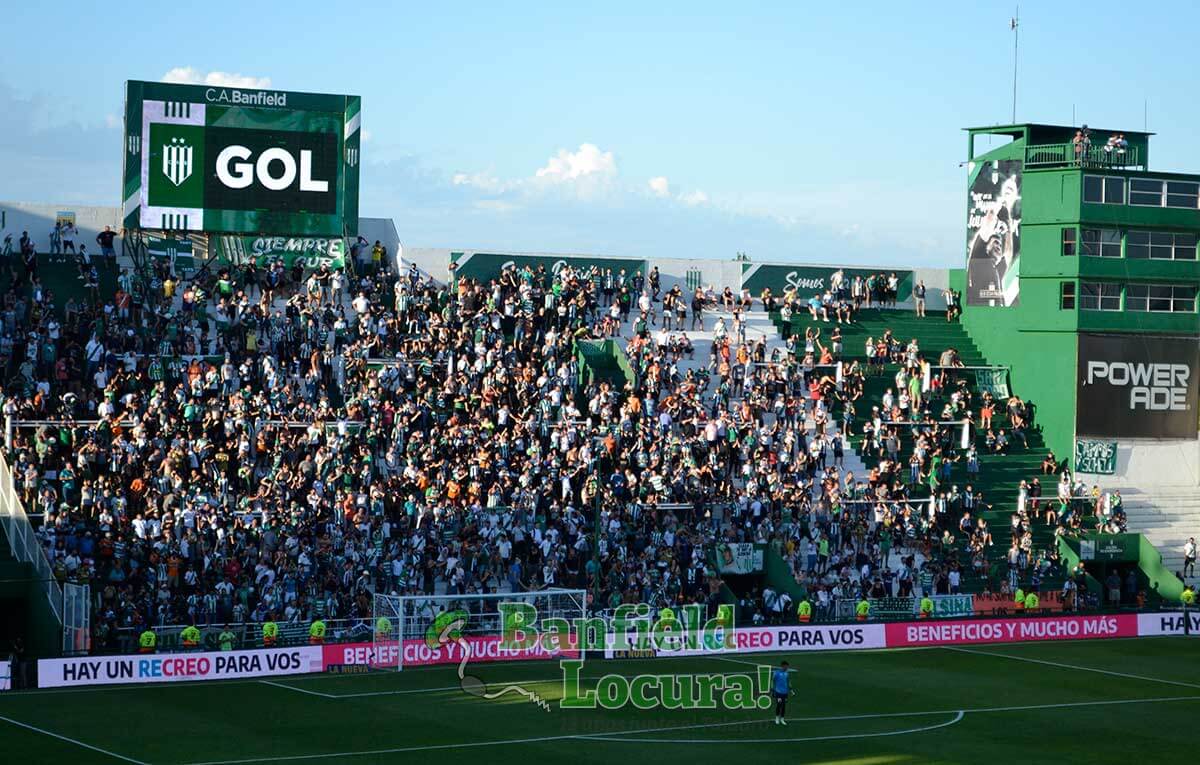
204, 437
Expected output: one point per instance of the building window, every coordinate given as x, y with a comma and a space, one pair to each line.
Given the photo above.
1099, 296
1146, 192
1068, 241
1155, 192
1067, 297
1183, 194
1161, 298
1104, 189
1102, 242
1160, 245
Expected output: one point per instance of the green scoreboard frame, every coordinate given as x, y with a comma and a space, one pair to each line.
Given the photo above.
240, 160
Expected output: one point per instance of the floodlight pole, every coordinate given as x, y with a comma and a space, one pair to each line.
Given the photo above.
1013, 24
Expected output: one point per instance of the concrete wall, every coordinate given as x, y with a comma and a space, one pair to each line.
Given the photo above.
718, 273
1150, 464
673, 271
38, 220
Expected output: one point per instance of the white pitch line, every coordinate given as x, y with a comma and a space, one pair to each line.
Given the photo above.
434, 690
556, 680
601, 736
297, 690
69, 740
958, 716
1073, 666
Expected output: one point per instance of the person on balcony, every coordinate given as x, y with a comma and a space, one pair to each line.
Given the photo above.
1115, 146
1082, 143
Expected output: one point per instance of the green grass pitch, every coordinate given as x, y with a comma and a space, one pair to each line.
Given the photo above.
1110, 701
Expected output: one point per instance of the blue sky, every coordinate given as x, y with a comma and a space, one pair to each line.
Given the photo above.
787, 130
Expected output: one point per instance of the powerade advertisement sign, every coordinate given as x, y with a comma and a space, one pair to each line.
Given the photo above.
231, 160
1137, 387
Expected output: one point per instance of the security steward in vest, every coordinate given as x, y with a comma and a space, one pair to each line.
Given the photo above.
147, 641
863, 610
383, 628
316, 632
190, 637
926, 608
1031, 602
804, 611
225, 639
270, 634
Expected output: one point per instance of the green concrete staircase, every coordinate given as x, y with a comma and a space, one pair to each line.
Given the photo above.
1000, 475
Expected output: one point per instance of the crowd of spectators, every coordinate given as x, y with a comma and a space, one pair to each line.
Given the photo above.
274, 442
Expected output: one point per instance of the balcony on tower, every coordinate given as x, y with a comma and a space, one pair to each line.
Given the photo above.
1059, 146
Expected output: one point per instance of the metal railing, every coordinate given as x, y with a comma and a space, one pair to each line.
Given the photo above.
23, 542
245, 635
1091, 156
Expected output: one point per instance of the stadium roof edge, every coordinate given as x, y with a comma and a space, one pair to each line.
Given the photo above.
1046, 126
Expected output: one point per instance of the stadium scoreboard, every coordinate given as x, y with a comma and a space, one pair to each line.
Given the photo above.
240, 161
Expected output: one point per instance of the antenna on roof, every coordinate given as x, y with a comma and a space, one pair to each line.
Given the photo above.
1012, 24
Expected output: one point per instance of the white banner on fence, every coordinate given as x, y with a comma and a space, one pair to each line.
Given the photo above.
5, 675
170, 668
1168, 624
814, 637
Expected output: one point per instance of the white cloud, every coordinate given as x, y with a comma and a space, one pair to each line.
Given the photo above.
367, 135
693, 198
659, 186
588, 162
112, 121
495, 205
482, 181
188, 75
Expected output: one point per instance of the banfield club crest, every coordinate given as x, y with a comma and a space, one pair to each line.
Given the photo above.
177, 161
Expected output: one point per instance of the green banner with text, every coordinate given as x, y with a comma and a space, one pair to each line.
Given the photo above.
811, 279
311, 252
485, 266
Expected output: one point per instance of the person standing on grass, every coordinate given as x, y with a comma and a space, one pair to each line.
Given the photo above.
780, 689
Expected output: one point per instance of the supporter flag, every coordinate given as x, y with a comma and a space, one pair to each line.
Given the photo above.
966, 434
994, 381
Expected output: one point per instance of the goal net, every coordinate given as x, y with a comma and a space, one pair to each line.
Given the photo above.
419, 630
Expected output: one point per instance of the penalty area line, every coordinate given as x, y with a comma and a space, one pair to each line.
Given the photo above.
958, 716
1060, 665
70, 740
305, 691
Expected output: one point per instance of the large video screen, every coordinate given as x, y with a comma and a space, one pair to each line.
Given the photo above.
240, 161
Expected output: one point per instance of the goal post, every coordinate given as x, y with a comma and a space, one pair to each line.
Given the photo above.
420, 630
